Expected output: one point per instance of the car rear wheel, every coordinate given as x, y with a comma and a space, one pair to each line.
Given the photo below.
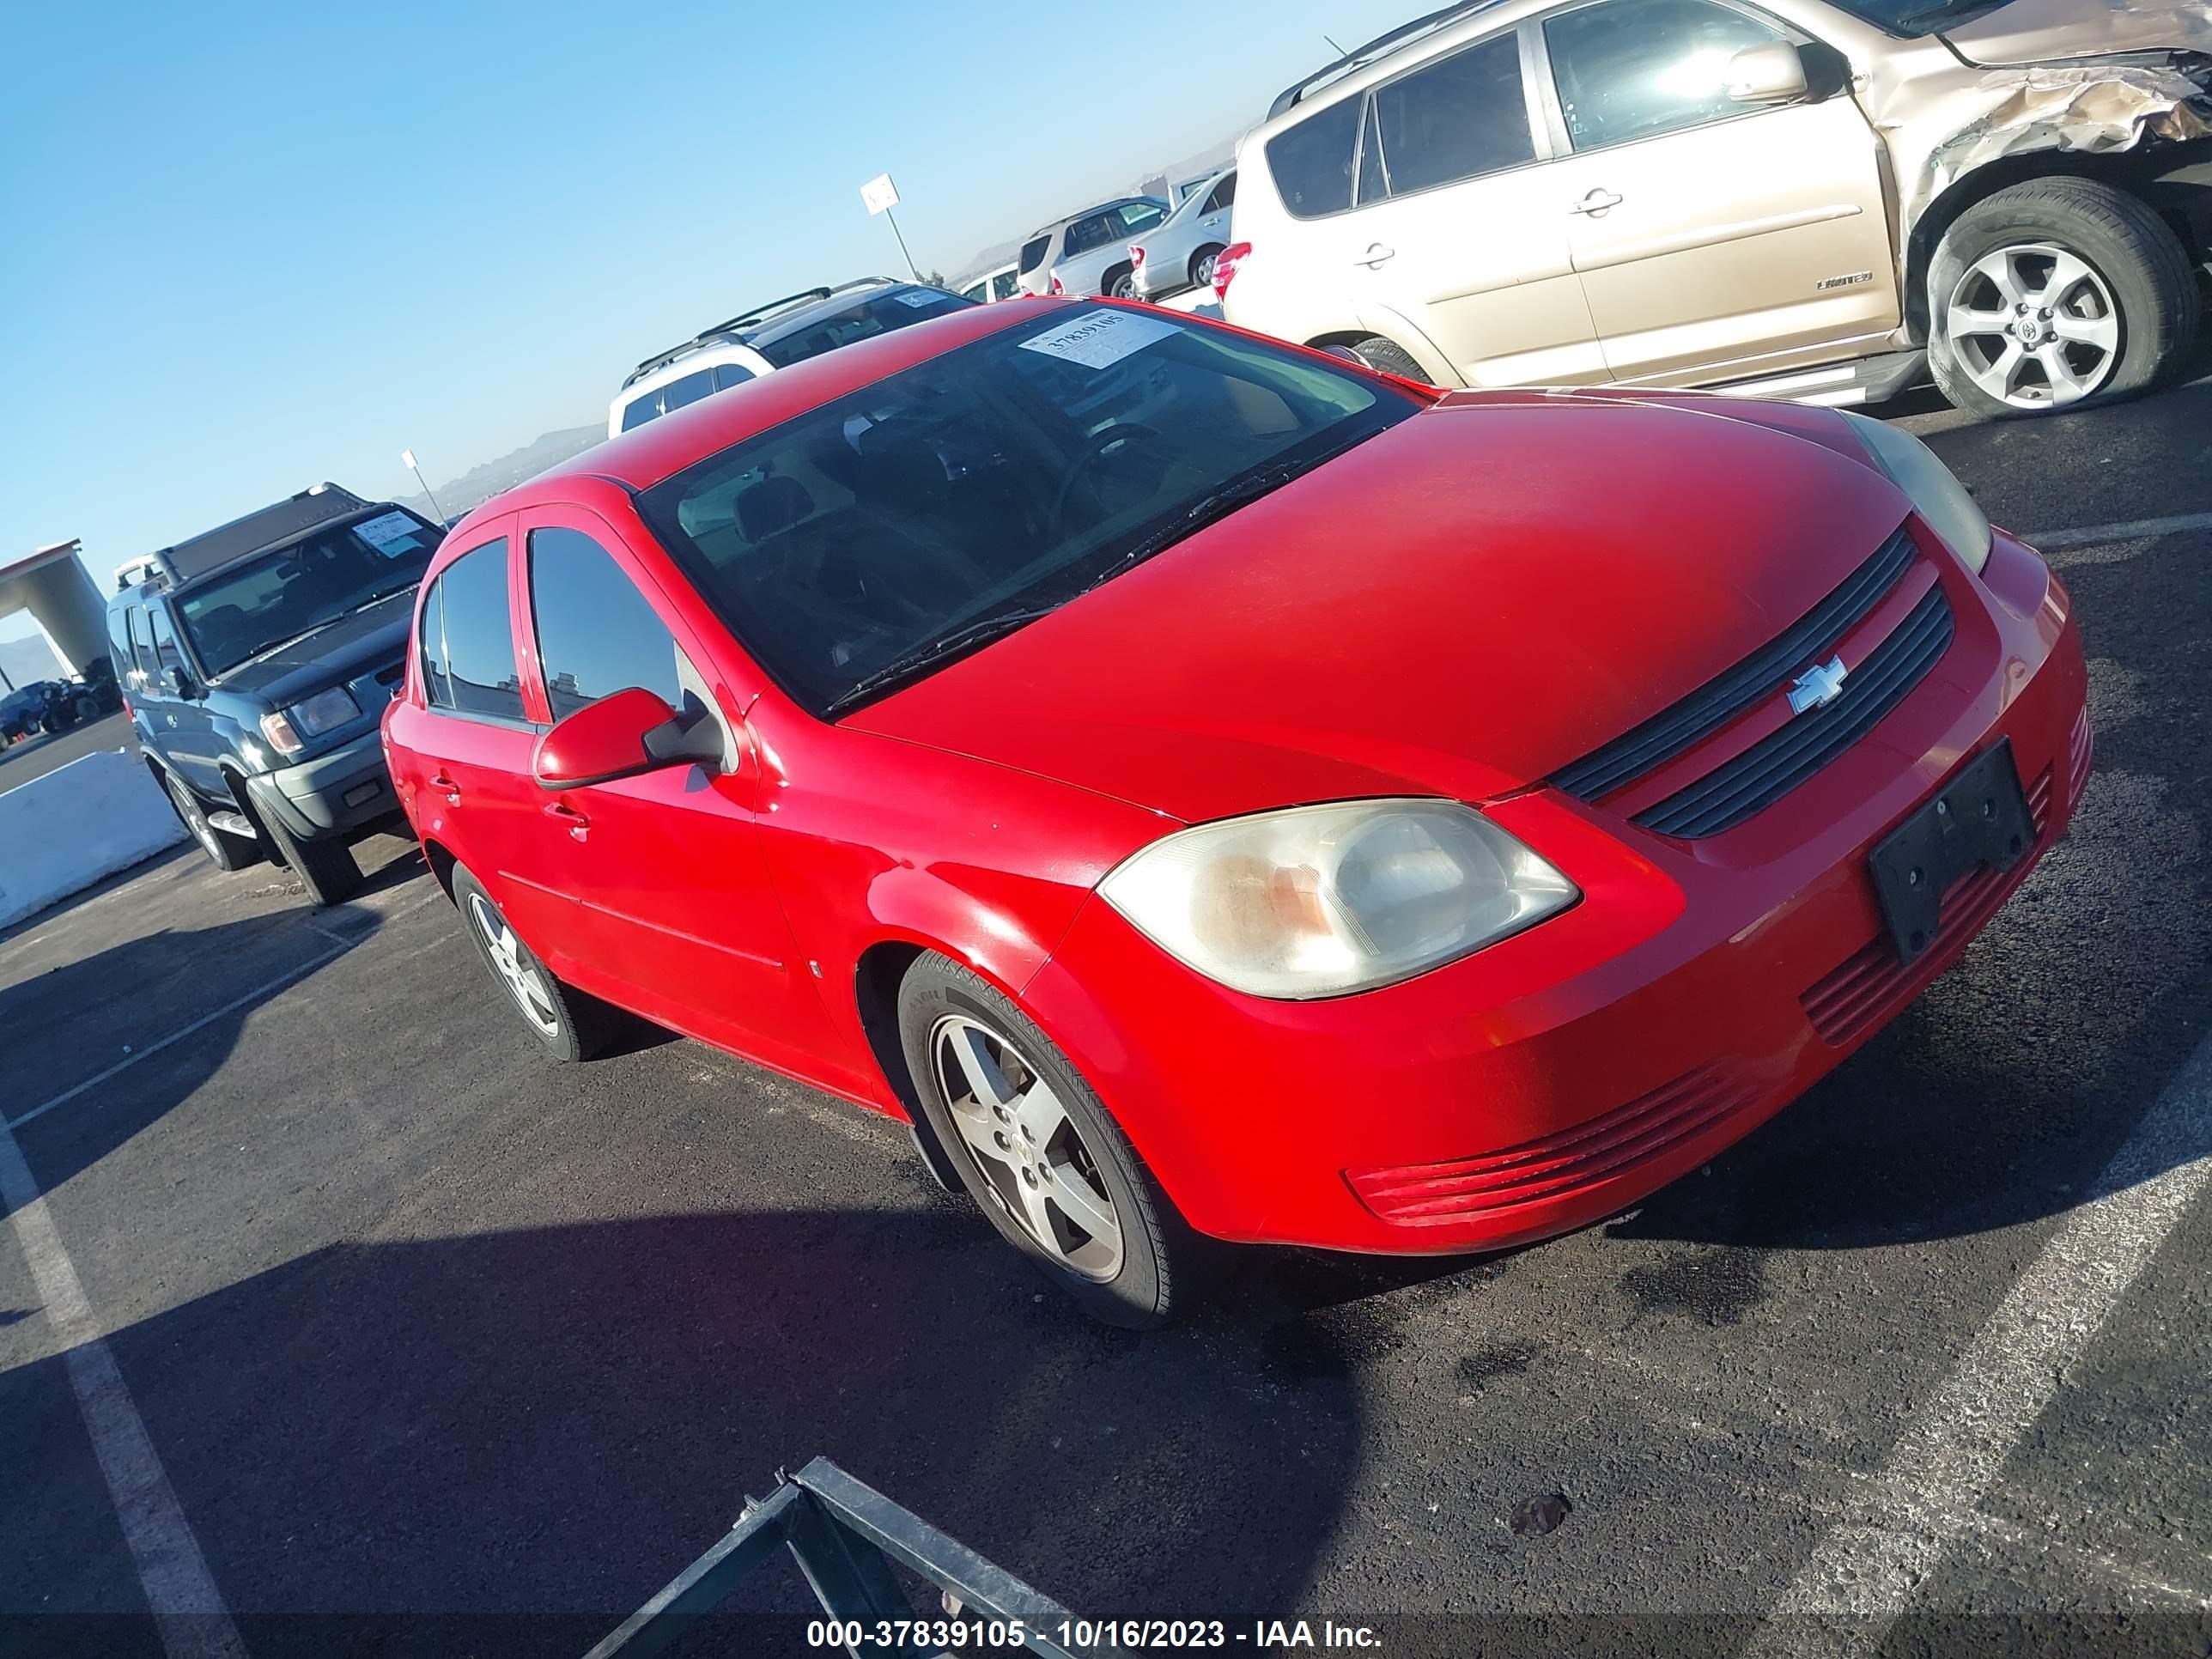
228, 852
1123, 285
1037, 1149
2054, 294
1201, 266
1385, 356
568, 1023
326, 869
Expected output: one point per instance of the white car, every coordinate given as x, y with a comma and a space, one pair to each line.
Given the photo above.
1179, 251
768, 337
1000, 284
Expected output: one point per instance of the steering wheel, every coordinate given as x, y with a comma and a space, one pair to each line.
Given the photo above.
1100, 442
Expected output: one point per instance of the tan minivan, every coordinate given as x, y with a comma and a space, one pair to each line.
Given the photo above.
1795, 198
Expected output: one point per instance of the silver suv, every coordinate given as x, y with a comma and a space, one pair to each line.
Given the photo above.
1821, 199
1088, 252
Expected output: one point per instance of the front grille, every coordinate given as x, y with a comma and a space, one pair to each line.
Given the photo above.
1465, 1189
1676, 730
1775, 765
1872, 984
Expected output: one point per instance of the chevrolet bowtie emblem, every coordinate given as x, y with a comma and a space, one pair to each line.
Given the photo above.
1818, 685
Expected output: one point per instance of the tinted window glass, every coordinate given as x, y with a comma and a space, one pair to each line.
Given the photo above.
256, 605
1222, 195
165, 655
1635, 68
475, 647
118, 643
1142, 215
1373, 179
1087, 233
689, 390
142, 641
1312, 160
878, 314
977, 293
1032, 254
596, 633
1459, 116
1004, 284
729, 374
637, 414
430, 649
1007, 474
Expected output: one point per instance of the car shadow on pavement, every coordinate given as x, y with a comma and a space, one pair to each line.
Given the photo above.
554, 1421
2002, 1092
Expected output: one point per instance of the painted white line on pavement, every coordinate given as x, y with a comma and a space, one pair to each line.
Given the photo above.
1866, 1572
2057, 541
187, 1608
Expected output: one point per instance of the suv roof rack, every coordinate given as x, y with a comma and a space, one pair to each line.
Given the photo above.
1375, 48
732, 329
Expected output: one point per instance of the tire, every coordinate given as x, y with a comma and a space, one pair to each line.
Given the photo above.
1128, 1281
569, 1025
226, 852
2131, 269
1383, 355
325, 868
1123, 285
1201, 266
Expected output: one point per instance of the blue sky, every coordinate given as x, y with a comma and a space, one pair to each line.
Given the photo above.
252, 248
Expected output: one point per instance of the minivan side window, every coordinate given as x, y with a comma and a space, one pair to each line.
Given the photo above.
688, 390
1312, 160
1458, 117
1634, 69
637, 414
468, 637
596, 633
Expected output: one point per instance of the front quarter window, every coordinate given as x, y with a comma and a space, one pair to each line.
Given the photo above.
996, 481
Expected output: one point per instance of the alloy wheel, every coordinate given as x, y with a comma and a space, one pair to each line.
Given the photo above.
1204, 275
525, 979
2034, 326
195, 820
1032, 1156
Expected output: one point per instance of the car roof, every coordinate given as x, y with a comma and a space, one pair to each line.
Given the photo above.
1384, 45
645, 455
772, 321
1051, 225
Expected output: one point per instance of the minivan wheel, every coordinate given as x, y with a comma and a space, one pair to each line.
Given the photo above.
568, 1023
2054, 293
228, 852
1037, 1149
325, 868
1385, 356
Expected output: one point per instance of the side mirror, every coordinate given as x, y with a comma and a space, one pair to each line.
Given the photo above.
1771, 74
176, 682
621, 736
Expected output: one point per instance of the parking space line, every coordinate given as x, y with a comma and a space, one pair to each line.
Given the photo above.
2128, 529
188, 1610
1865, 1572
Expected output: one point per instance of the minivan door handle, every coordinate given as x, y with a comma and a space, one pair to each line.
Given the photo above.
1596, 203
560, 812
1376, 254
445, 787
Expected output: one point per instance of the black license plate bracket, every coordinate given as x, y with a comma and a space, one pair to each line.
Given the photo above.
1980, 818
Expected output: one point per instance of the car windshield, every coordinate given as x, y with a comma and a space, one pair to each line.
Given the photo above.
262, 603
878, 315
860, 544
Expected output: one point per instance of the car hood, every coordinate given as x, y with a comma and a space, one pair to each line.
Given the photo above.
2040, 31
345, 650
1459, 606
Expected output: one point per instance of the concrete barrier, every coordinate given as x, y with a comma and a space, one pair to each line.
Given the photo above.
62, 832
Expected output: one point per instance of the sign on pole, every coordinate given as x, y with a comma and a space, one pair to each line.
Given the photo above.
879, 194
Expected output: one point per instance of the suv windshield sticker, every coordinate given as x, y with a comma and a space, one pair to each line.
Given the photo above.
389, 534
1101, 339
916, 297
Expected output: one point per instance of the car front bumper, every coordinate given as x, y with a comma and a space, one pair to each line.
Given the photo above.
1562, 1075
332, 795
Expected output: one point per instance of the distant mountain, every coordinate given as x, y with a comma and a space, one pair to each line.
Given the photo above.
25, 660
480, 483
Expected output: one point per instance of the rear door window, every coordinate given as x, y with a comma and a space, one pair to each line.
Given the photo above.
689, 390
1458, 117
1032, 253
1312, 160
1221, 195
1004, 284
1635, 69
468, 637
596, 633
637, 414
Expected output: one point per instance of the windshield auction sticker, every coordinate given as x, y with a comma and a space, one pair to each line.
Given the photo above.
1100, 338
381, 533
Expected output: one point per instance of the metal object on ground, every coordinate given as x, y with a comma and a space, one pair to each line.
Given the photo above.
845, 1535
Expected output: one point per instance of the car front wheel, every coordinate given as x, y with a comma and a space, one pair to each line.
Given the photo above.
2055, 292
228, 852
1037, 1149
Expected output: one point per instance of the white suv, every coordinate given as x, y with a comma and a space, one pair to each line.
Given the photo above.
769, 337
1822, 199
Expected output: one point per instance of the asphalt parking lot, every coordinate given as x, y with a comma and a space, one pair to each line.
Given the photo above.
438, 1348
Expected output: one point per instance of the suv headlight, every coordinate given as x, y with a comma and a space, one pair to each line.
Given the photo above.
325, 711
1936, 493
1318, 901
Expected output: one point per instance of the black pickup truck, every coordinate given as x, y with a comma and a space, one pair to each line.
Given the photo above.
257, 659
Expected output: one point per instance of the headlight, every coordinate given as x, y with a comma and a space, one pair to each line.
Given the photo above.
1936, 494
1321, 900
323, 712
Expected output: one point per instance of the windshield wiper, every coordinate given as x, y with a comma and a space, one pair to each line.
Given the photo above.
915, 664
1210, 508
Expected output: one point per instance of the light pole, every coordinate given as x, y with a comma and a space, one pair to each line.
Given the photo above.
407, 460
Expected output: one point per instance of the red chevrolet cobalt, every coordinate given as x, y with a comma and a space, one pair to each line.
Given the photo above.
1208, 787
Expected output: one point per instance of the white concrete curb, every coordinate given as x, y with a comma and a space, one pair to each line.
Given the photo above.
62, 832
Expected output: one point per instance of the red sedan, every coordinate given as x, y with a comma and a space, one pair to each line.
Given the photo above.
1204, 785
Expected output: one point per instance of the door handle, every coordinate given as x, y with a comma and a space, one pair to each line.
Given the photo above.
1597, 202
1376, 254
560, 812
445, 787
